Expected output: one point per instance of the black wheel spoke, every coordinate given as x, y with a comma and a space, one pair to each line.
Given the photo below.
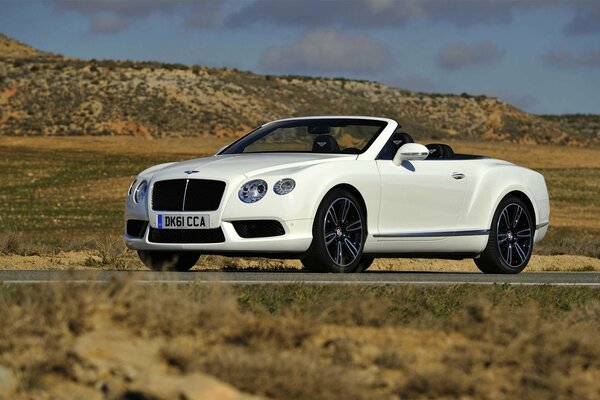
345, 208
504, 217
525, 233
332, 215
351, 248
520, 252
338, 253
502, 237
518, 214
355, 226
329, 237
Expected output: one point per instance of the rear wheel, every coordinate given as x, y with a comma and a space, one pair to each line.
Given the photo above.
339, 234
169, 260
510, 243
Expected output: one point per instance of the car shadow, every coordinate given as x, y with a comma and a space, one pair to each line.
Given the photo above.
291, 270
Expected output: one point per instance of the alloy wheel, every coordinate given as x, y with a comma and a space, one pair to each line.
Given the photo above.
343, 231
514, 235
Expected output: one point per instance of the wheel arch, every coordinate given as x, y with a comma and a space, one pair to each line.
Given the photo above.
525, 199
356, 193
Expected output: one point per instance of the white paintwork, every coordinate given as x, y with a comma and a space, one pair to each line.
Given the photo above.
416, 196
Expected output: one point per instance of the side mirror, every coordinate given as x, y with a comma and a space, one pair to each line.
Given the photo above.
410, 151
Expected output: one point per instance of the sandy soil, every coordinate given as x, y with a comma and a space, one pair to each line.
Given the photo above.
79, 260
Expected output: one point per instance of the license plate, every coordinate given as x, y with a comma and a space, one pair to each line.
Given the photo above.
179, 221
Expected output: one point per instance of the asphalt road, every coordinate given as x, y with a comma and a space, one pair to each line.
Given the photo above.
288, 277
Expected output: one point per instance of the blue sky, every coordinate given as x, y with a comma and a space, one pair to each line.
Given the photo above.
542, 56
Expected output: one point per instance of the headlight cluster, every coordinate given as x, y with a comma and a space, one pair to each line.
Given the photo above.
131, 187
140, 191
254, 190
284, 186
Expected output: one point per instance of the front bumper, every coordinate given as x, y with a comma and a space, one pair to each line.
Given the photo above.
297, 239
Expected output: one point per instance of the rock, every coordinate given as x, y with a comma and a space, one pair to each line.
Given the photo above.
195, 386
120, 365
8, 382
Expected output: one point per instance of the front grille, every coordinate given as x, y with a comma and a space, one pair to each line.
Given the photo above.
168, 195
186, 235
257, 229
198, 195
136, 227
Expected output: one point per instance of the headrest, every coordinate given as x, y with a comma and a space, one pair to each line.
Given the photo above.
440, 150
325, 144
400, 138
396, 141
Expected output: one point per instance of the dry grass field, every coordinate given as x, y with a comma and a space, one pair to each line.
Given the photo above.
120, 341
62, 199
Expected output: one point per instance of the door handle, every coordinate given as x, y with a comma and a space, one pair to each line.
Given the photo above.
457, 175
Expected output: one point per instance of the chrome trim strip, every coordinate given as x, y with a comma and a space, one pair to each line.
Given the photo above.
541, 225
433, 234
187, 182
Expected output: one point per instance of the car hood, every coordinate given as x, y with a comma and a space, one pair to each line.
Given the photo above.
230, 166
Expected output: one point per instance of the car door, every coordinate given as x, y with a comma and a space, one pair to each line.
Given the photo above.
422, 199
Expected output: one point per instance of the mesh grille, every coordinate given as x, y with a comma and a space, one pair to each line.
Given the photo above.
186, 235
204, 195
201, 195
168, 195
256, 229
136, 228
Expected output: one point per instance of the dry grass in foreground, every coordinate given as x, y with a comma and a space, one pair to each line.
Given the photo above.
298, 342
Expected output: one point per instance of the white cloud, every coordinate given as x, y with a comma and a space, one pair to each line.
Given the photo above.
110, 16
461, 55
328, 51
108, 24
564, 59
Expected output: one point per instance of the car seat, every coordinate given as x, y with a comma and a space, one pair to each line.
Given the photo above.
439, 150
394, 143
325, 144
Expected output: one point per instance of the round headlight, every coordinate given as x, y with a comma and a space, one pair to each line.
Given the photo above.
253, 191
140, 192
131, 187
284, 186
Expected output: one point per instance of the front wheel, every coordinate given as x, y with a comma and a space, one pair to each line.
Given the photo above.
339, 234
510, 243
169, 260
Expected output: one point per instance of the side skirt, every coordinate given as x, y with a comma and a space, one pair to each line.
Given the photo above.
443, 256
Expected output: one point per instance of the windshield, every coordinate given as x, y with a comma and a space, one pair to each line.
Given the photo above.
336, 136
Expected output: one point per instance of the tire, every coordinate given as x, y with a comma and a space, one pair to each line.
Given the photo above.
339, 234
510, 243
169, 260
364, 264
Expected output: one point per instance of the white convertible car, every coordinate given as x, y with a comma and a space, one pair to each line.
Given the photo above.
337, 192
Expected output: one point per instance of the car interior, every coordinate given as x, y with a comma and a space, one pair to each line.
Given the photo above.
326, 143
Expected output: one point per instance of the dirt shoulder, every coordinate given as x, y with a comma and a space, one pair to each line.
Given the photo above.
92, 260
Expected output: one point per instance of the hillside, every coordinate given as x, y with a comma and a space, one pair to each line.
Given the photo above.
44, 94
587, 125
10, 47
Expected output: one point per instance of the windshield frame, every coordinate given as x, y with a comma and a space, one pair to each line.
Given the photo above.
238, 146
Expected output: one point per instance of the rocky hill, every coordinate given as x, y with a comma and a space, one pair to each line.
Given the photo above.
10, 47
45, 94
